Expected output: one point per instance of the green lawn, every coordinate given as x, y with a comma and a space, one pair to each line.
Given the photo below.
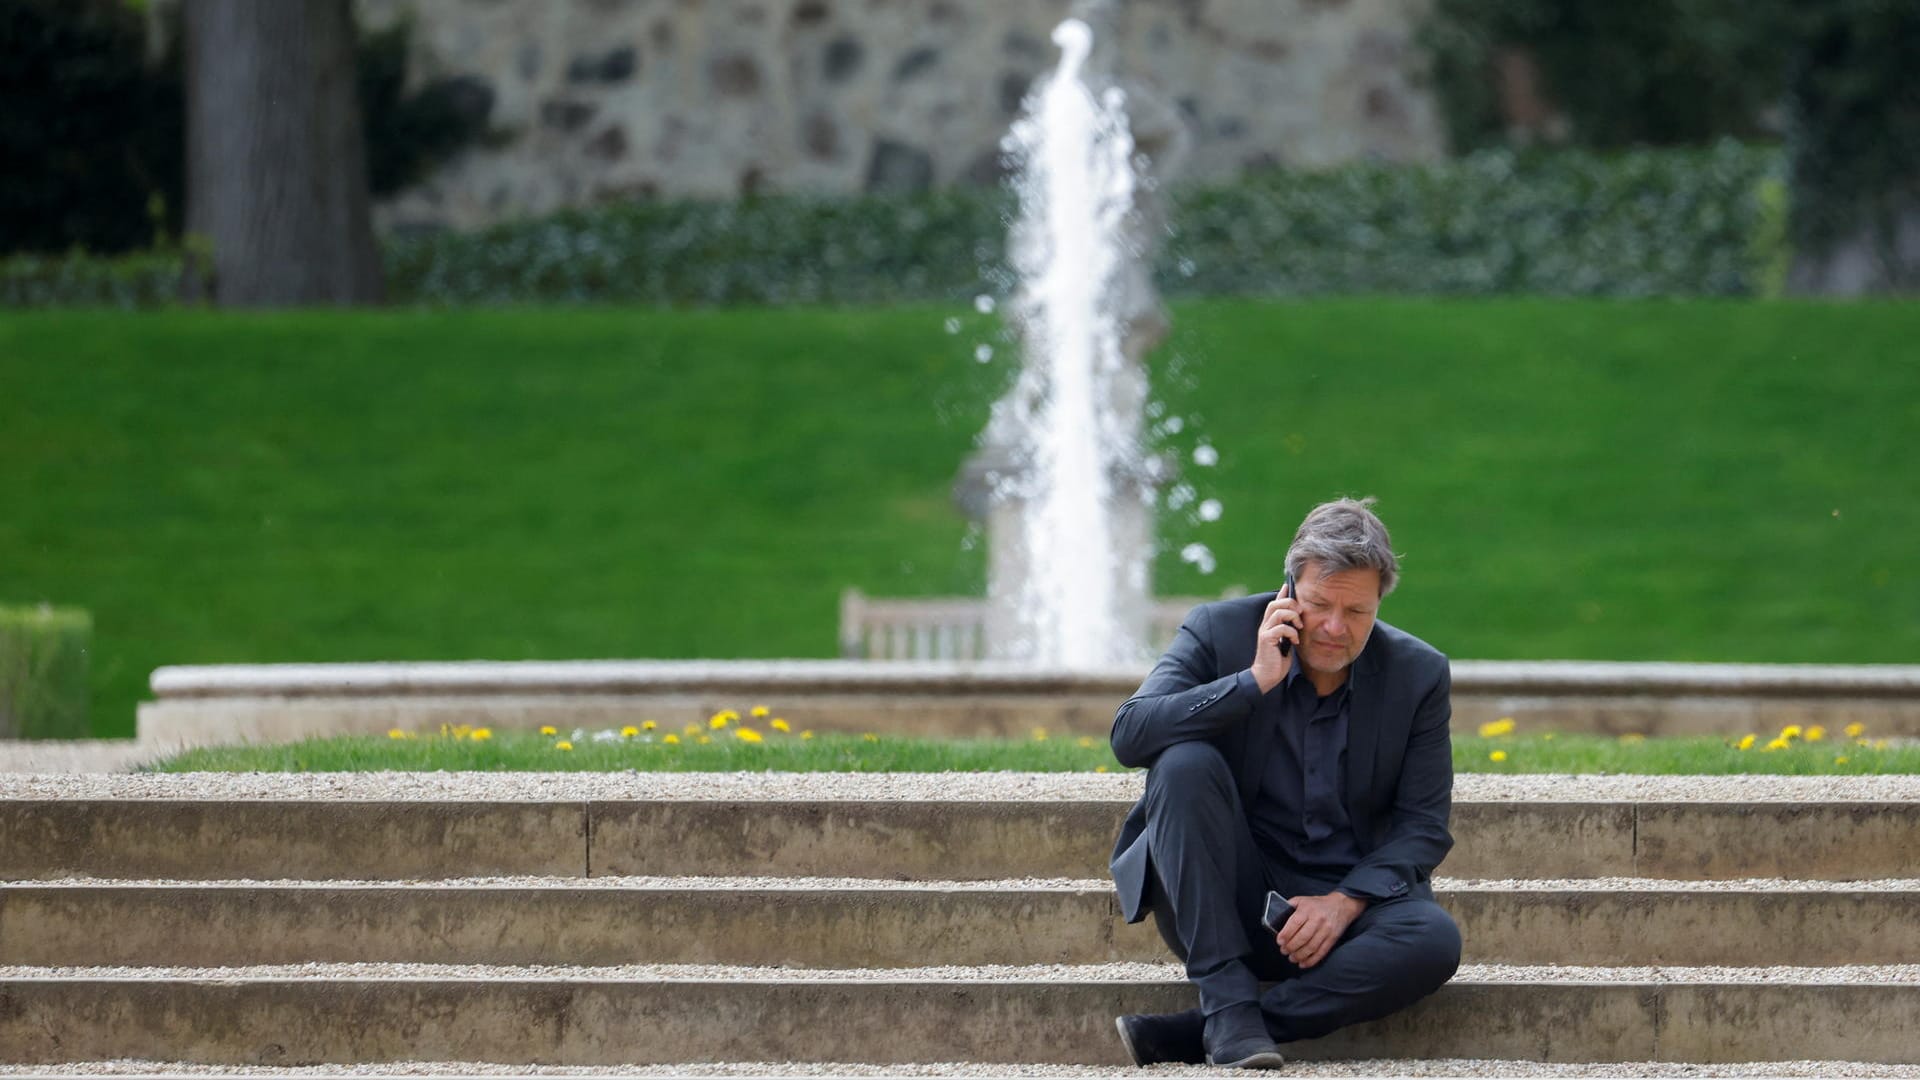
1616, 480
725, 751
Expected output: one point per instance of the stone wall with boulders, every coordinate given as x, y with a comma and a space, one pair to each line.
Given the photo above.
598, 100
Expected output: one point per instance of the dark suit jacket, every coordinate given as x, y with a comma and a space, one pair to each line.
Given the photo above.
1399, 755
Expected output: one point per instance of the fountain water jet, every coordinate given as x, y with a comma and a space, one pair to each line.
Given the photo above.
1061, 476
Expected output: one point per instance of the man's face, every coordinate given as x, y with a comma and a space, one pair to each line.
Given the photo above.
1338, 610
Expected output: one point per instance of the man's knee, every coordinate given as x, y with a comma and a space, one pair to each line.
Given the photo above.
1433, 940
1187, 767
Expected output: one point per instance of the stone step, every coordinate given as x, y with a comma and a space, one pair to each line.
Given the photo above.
843, 923
615, 1016
1838, 840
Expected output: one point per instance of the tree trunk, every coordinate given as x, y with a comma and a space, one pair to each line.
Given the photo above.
276, 161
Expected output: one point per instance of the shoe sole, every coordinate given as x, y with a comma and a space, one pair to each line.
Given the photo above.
1265, 1059
1126, 1040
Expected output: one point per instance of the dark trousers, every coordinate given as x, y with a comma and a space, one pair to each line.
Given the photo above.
1207, 890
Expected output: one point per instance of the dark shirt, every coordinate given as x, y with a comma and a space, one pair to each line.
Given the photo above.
1299, 817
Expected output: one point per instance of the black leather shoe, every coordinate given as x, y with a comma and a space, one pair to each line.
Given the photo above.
1164, 1038
1237, 1038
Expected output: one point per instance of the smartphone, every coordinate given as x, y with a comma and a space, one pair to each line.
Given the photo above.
1285, 645
1277, 913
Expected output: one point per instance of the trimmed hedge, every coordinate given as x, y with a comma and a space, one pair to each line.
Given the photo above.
1566, 223
43, 672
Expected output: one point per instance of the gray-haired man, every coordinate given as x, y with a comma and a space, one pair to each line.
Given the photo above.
1325, 774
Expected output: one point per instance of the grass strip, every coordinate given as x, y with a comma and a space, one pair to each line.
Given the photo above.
730, 749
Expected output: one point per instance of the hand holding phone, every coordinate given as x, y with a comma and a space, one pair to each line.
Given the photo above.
1277, 913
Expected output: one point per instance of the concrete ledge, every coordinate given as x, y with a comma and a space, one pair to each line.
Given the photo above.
853, 926
127, 838
243, 839
589, 1022
269, 703
732, 677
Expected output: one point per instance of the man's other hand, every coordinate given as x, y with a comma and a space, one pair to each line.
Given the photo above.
1282, 621
1316, 924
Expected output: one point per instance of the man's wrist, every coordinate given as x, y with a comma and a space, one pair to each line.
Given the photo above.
1356, 904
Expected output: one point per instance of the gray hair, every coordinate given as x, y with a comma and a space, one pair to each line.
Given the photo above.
1344, 535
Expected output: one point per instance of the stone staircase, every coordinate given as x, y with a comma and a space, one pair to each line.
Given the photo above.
608, 931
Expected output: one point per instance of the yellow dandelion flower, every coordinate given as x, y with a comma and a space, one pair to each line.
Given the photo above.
480, 734
563, 745
1855, 730
1632, 737
1746, 742
717, 721
1791, 731
1816, 733
870, 737
1099, 768
629, 731
1778, 744
1841, 760
746, 734
396, 733
1494, 728
760, 712
806, 735
778, 724
1497, 755
1549, 736
549, 729
690, 729
705, 739
648, 725
1039, 734
671, 739
1879, 744
1086, 742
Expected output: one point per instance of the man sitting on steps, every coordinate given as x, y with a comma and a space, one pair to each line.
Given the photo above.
1324, 773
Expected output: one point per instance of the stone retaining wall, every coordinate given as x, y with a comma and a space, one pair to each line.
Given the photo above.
619, 99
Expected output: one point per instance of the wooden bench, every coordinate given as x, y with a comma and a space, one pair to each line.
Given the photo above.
954, 627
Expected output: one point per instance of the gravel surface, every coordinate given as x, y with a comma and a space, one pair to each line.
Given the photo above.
1313, 1070
846, 884
951, 787
1877, 974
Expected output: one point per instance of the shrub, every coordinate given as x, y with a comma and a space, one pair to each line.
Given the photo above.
43, 672
1567, 223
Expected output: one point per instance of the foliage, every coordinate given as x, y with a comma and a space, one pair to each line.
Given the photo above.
142, 279
43, 672
1641, 223
408, 134
1655, 73
92, 133
1855, 123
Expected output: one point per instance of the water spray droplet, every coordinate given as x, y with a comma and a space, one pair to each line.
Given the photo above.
1205, 454
1174, 425
983, 304
1200, 556
983, 353
1210, 510
1181, 495
952, 326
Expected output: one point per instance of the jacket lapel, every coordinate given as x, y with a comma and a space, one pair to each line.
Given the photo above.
1363, 736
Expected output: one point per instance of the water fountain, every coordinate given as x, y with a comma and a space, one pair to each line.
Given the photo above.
1062, 479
